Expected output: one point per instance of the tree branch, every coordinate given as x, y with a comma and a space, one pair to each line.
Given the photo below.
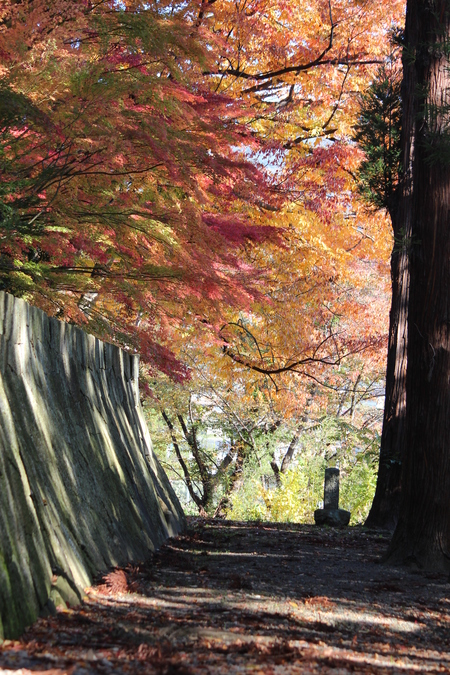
196, 499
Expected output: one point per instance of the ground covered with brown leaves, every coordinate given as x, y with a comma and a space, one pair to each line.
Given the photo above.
267, 598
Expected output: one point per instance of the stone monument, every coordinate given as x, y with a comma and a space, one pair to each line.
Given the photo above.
331, 514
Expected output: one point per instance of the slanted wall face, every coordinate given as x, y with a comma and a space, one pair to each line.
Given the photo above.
80, 489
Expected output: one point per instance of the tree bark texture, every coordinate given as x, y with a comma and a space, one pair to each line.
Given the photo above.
386, 502
422, 535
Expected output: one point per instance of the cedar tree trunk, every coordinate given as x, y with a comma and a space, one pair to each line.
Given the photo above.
422, 535
386, 502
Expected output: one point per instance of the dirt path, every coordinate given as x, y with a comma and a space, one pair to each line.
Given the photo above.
250, 598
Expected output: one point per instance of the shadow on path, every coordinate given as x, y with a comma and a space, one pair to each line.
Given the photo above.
233, 597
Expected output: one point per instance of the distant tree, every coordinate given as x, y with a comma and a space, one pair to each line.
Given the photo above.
378, 131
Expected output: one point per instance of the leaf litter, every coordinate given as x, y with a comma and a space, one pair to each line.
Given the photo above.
230, 597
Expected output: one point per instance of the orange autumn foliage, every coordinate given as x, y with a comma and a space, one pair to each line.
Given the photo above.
182, 165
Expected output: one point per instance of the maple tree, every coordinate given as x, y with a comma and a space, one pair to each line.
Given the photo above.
88, 209
311, 318
302, 88
314, 133
123, 183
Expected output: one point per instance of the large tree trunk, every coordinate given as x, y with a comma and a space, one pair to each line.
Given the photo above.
380, 126
422, 535
386, 502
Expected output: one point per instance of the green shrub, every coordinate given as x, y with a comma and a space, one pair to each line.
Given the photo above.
357, 489
248, 502
299, 494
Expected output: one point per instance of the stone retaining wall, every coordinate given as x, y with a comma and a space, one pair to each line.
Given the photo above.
80, 489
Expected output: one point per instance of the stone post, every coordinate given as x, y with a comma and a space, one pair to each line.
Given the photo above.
331, 489
331, 514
